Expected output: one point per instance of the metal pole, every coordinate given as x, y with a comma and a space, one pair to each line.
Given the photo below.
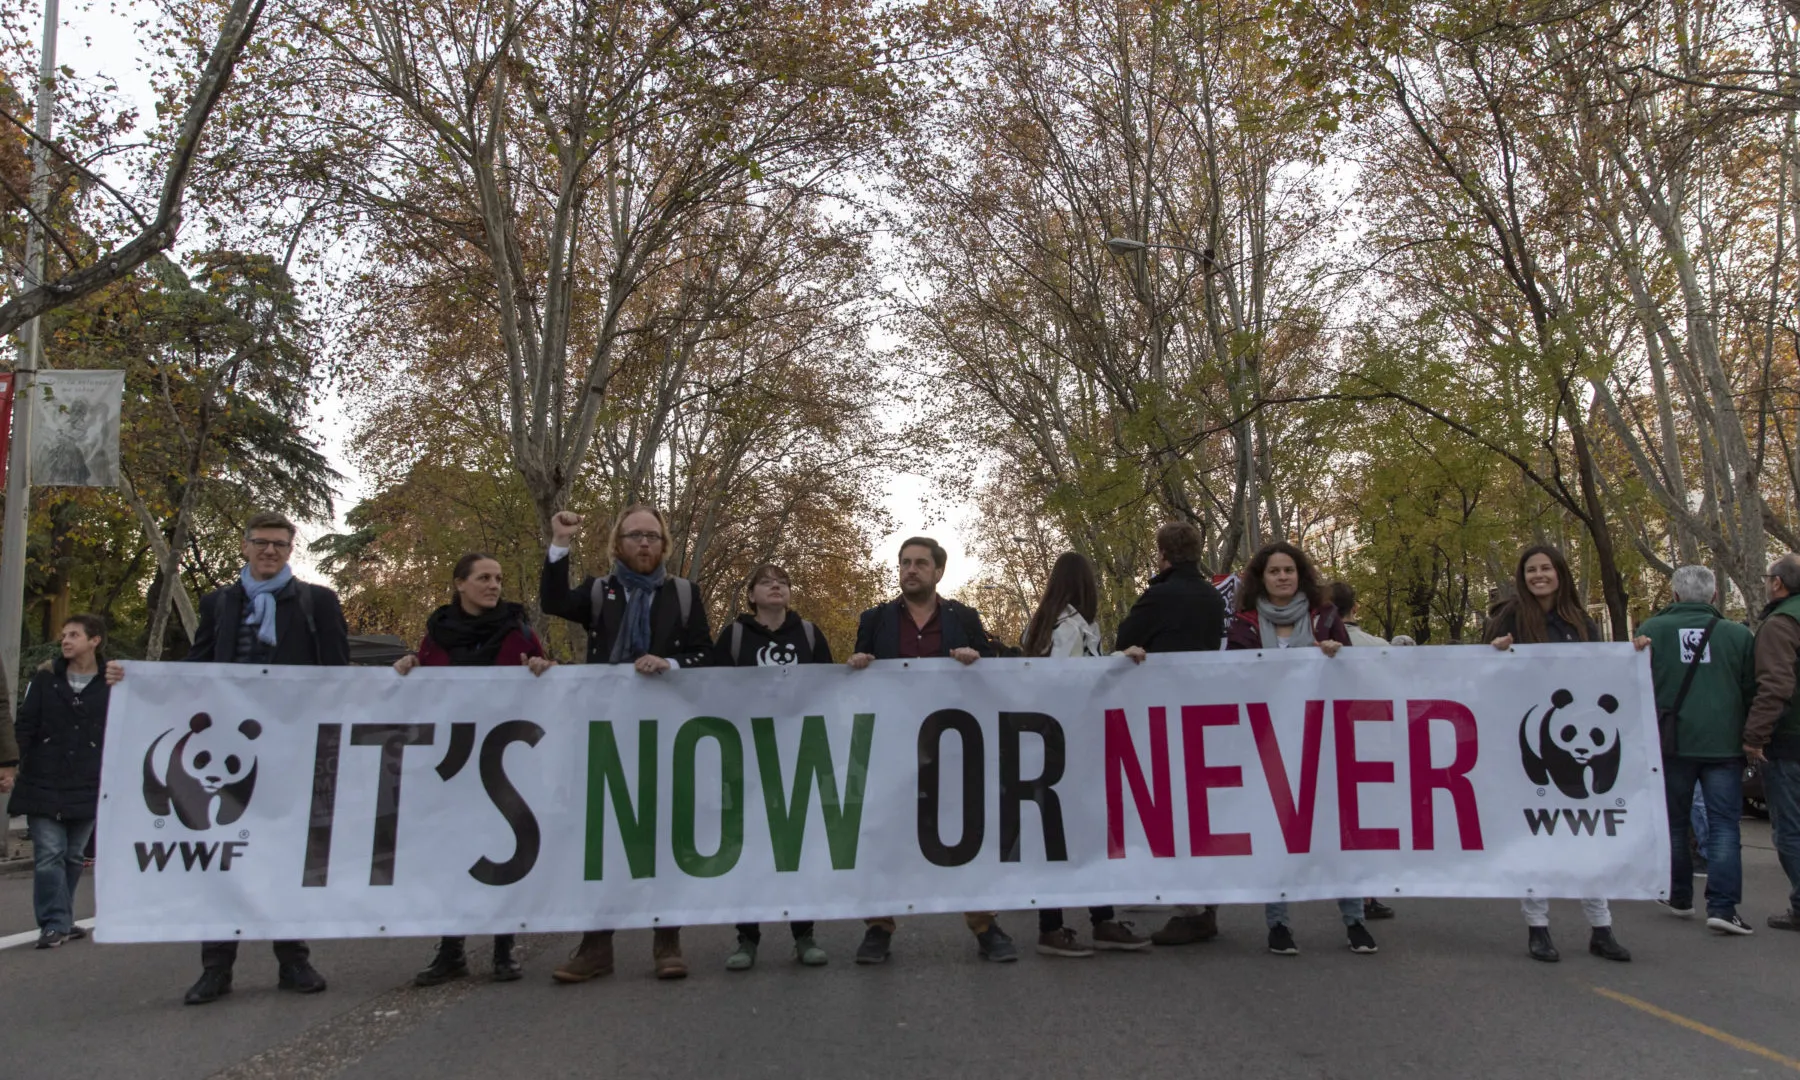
31, 357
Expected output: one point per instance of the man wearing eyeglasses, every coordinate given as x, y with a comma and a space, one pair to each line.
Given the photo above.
641, 615
267, 616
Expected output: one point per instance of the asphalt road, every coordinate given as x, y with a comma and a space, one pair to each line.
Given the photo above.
1451, 994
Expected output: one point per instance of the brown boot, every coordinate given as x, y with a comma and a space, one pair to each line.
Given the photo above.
1188, 929
590, 960
666, 950
1206, 924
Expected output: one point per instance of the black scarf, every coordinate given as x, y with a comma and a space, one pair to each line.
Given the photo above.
473, 640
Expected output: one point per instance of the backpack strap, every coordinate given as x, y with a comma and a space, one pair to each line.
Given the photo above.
597, 602
684, 594
737, 641
812, 638
304, 594
1672, 717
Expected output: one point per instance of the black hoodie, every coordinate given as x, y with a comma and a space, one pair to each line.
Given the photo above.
757, 647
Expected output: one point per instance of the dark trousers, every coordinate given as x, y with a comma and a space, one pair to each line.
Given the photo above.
1050, 920
1781, 786
223, 954
752, 932
1722, 786
502, 942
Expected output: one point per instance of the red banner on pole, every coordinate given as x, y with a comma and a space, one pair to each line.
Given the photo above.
6, 402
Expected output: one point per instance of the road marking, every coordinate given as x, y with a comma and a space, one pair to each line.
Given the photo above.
29, 937
1710, 1032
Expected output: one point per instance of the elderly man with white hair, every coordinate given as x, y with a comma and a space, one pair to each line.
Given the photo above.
1704, 666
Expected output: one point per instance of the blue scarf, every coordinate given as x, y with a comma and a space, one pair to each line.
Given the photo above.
262, 601
640, 594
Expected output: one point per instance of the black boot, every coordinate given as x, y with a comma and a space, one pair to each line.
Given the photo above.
215, 983
449, 963
506, 964
300, 977
1603, 944
1540, 945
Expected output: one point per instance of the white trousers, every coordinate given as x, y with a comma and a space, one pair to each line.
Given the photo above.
1537, 911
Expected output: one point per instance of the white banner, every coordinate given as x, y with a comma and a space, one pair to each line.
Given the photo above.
244, 802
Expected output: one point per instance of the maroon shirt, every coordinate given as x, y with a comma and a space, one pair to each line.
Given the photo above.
916, 640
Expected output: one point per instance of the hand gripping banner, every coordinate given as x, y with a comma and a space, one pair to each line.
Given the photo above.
246, 802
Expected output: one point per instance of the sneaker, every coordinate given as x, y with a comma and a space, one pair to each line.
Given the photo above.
213, 984
1787, 920
1281, 941
1728, 924
1680, 911
52, 939
1361, 941
301, 978
1374, 909
995, 945
874, 947
744, 958
1062, 942
807, 951
76, 933
1118, 936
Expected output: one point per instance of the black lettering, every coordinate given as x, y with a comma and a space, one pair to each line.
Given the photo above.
1614, 818
393, 740
229, 850
1014, 791
1541, 820
324, 806
158, 853
1582, 821
195, 852
974, 793
508, 801
462, 744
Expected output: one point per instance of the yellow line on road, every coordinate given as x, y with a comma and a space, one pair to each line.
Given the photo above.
1709, 1031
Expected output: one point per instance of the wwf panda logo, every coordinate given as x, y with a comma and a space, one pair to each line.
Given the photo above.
207, 777
777, 654
1570, 744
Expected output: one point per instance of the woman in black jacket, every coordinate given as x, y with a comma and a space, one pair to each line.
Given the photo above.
770, 634
61, 729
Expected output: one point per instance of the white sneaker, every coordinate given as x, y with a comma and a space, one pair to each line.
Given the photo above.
1728, 925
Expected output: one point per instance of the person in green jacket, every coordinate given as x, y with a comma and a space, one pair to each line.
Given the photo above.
1705, 742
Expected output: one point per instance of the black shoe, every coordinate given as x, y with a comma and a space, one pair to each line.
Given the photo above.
1787, 920
52, 939
995, 945
1679, 909
874, 947
1375, 909
450, 962
1361, 941
1728, 924
214, 984
1602, 944
76, 933
301, 978
506, 962
1281, 941
1540, 946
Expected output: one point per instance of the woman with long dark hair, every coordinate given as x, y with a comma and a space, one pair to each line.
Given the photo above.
1063, 625
475, 629
1546, 610
1282, 605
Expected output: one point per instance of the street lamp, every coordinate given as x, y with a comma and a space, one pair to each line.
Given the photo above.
1121, 245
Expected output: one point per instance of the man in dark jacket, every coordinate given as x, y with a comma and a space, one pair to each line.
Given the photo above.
1179, 612
920, 623
1704, 743
1772, 730
268, 616
61, 729
642, 615
9, 748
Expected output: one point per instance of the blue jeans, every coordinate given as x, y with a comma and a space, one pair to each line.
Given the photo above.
57, 849
1698, 818
1781, 786
1350, 907
1722, 787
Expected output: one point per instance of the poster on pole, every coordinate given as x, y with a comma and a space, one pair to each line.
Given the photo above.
75, 428
6, 402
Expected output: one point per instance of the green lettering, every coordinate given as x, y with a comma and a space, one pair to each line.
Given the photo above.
637, 824
731, 797
843, 821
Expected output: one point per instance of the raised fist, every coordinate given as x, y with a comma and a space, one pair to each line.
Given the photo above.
563, 526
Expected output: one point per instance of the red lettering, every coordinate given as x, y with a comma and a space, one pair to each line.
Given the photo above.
1454, 779
1201, 778
1296, 818
1352, 772
1156, 809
